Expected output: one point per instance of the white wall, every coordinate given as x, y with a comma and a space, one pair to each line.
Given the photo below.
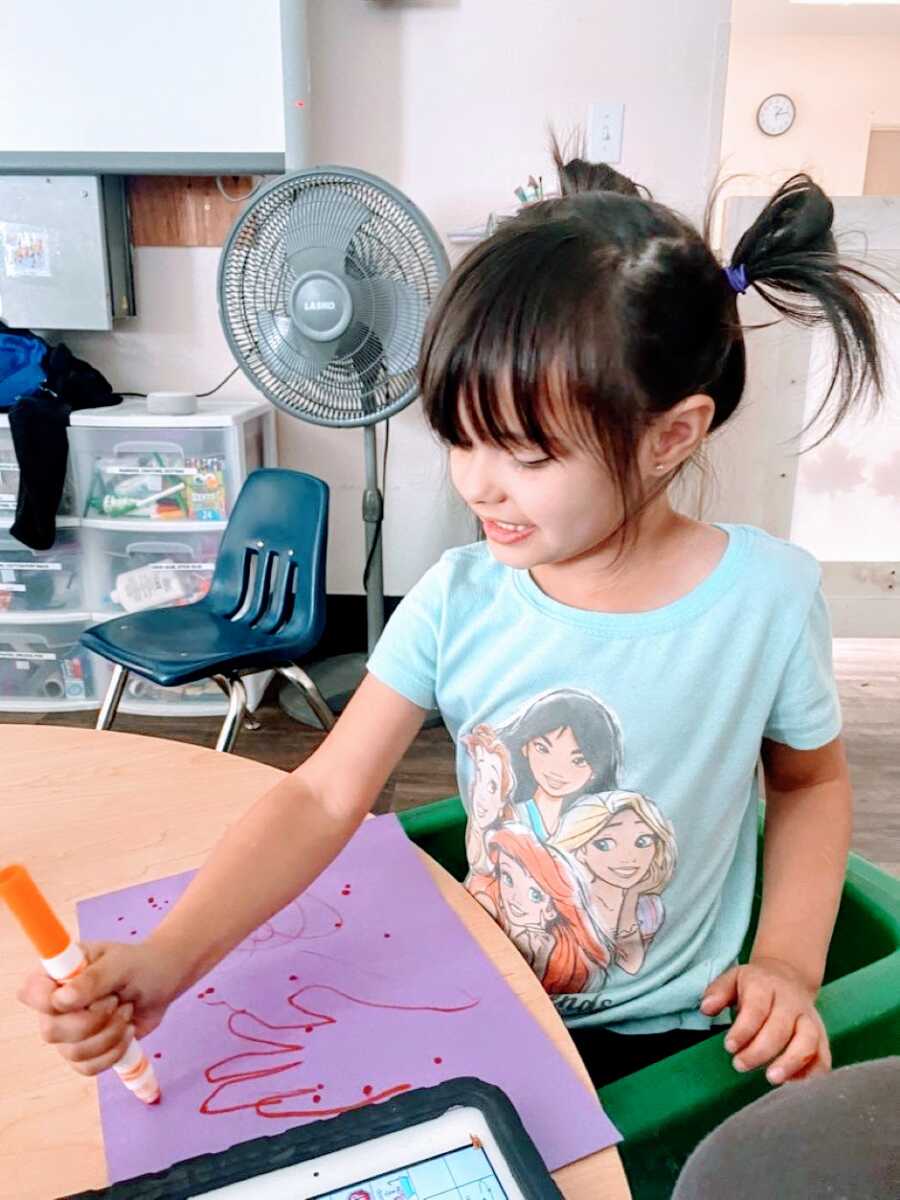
103, 75
449, 100
830, 136
840, 66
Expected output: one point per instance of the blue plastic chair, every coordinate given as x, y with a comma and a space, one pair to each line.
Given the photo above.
265, 609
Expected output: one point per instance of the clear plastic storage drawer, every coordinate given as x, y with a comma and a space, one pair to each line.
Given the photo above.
132, 569
9, 480
153, 474
43, 666
40, 580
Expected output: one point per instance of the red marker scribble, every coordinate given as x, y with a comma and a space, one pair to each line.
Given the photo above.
281, 1052
304, 919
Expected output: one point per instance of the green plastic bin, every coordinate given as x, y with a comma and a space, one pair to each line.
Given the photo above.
665, 1110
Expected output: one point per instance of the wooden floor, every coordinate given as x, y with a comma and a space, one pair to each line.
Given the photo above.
868, 674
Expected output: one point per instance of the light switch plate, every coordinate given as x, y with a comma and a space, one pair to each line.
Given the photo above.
604, 141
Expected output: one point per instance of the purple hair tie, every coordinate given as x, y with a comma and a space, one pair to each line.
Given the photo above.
737, 277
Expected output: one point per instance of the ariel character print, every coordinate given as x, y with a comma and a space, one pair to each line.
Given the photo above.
565, 744
488, 796
539, 903
625, 850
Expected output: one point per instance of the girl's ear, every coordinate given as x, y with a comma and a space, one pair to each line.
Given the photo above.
675, 435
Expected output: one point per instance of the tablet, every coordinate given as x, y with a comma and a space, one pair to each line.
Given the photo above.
461, 1140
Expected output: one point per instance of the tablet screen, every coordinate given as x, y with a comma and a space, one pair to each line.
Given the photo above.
452, 1157
464, 1174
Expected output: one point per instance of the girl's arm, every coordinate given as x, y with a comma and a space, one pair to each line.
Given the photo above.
291, 833
269, 856
808, 822
809, 817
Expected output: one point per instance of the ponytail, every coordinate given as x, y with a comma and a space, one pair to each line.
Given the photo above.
789, 256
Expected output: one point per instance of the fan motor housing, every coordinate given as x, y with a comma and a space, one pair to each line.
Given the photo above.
321, 305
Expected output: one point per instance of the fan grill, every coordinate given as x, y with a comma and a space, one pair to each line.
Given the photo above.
378, 241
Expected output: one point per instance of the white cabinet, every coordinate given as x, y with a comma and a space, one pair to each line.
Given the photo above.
144, 510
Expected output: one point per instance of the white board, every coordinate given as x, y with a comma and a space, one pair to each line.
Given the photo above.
100, 76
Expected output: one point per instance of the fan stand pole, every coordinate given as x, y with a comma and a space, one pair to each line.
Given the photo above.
337, 678
373, 512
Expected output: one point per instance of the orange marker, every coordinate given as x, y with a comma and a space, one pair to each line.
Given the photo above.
63, 959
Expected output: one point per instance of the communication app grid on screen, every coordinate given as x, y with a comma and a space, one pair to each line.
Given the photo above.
464, 1174
452, 1157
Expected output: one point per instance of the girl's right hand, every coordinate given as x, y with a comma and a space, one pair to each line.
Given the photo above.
123, 992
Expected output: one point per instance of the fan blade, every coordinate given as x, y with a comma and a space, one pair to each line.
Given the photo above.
324, 218
398, 319
361, 345
282, 346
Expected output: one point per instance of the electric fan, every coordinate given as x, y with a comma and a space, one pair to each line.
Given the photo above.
324, 287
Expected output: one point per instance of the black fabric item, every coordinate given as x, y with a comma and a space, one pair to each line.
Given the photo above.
609, 1056
38, 424
837, 1135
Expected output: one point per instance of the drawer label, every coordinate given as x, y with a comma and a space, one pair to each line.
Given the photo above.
30, 566
23, 656
167, 567
150, 469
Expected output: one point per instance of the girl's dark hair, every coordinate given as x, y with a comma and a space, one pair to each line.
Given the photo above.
577, 175
590, 315
593, 727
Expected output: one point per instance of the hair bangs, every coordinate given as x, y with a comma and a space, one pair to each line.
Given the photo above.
506, 358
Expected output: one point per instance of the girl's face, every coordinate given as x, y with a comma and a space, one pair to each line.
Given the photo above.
523, 901
536, 510
557, 763
487, 790
621, 852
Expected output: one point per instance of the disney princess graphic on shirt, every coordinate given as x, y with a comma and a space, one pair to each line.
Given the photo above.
563, 745
492, 783
624, 849
539, 903
553, 772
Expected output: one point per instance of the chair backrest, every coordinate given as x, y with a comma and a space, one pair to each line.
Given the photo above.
270, 572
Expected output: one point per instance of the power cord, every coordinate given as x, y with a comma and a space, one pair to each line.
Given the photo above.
200, 395
212, 391
377, 539
239, 199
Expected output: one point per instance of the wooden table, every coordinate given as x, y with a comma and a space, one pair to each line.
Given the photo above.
90, 812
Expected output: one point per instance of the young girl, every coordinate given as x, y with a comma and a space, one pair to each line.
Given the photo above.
538, 902
625, 850
575, 362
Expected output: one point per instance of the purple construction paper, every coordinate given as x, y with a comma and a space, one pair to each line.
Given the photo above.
366, 985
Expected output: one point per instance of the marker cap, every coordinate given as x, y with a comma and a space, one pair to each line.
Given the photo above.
34, 914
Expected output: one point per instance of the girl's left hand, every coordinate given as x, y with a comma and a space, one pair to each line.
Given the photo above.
777, 1021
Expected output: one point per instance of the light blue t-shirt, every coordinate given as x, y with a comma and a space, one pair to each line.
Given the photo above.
608, 761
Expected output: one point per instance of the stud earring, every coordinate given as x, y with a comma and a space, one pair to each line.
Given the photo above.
660, 467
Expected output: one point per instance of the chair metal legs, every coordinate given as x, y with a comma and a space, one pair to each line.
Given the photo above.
112, 698
313, 696
237, 706
237, 702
